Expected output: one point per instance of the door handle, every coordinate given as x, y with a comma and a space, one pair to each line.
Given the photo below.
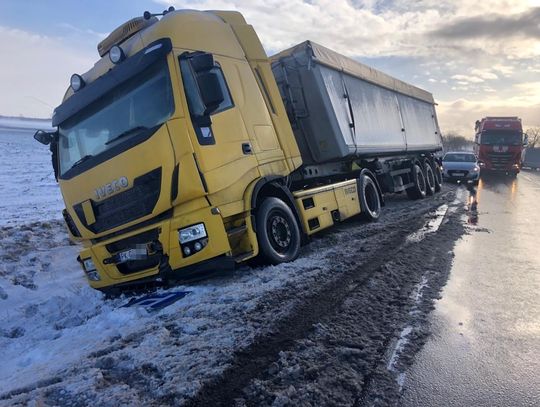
246, 148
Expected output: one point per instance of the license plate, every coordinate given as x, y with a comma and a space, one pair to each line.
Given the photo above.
132, 254
459, 174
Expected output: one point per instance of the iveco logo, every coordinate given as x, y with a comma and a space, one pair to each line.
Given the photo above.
112, 187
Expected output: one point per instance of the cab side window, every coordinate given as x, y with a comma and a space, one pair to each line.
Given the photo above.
196, 86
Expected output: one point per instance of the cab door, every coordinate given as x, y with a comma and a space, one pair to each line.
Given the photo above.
223, 150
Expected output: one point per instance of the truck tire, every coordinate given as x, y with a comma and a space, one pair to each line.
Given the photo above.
418, 190
278, 233
430, 178
369, 198
438, 176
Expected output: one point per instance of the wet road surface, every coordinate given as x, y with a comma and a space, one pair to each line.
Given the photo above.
485, 344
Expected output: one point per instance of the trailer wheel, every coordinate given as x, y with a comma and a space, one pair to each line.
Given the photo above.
430, 178
277, 232
418, 190
369, 198
438, 177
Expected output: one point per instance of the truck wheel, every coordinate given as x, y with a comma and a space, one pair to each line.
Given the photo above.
277, 232
430, 178
418, 190
438, 177
369, 198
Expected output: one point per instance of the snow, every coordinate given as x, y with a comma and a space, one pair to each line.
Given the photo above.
56, 329
29, 191
23, 123
57, 324
431, 227
63, 343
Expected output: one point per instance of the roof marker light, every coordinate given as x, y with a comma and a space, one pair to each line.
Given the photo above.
116, 54
77, 82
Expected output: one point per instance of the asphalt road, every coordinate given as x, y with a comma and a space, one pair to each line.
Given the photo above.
484, 349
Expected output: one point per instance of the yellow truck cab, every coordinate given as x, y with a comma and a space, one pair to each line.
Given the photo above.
175, 154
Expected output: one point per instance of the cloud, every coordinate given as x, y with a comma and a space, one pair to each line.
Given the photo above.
491, 26
36, 75
484, 74
83, 32
417, 41
464, 79
459, 115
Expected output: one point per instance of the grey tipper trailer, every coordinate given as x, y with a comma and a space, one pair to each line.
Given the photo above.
346, 108
344, 112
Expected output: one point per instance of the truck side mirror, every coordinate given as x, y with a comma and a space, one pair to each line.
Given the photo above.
211, 91
202, 62
525, 140
43, 137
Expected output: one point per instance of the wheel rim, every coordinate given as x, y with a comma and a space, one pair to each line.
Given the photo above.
438, 174
430, 178
421, 181
279, 232
372, 199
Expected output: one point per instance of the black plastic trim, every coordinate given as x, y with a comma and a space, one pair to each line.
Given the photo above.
70, 223
201, 175
159, 218
174, 182
116, 76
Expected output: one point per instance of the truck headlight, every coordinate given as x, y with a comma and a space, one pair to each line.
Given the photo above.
192, 239
90, 270
476, 168
88, 265
192, 233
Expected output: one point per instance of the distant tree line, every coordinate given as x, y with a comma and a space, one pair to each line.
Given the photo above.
456, 142
534, 137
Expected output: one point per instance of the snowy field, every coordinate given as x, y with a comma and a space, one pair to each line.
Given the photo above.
29, 190
51, 321
63, 343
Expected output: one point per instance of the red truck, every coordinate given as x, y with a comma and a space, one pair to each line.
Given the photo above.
499, 144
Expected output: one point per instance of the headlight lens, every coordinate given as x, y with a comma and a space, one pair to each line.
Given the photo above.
191, 233
89, 265
476, 168
192, 239
90, 270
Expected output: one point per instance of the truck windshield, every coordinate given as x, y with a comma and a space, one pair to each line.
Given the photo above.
494, 137
116, 120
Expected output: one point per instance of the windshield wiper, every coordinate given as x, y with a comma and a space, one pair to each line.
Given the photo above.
81, 160
126, 133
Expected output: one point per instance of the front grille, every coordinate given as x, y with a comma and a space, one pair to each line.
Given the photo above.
500, 159
136, 202
134, 266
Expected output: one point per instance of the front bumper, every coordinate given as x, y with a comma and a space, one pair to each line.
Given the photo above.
164, 258
468, 176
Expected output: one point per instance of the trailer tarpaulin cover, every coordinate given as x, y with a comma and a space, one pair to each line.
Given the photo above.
339, 107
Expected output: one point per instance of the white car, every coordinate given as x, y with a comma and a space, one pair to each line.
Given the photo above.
460, 166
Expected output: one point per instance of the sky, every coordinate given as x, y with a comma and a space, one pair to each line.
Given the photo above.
477, 58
